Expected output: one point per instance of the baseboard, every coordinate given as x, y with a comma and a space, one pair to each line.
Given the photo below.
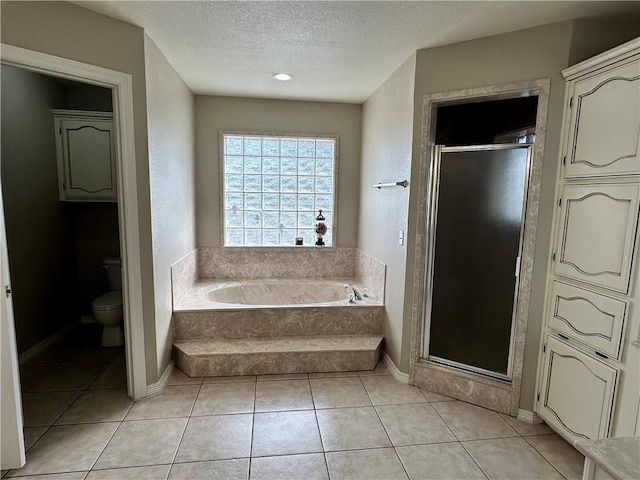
46, 343
158, 387
397, 374
528, 416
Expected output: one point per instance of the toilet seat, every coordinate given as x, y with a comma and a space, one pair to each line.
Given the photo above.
108, 301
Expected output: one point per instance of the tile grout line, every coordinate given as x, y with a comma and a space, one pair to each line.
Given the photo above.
540, 453
253, 427
315, 414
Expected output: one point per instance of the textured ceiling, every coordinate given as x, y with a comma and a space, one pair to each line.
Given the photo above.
337, 50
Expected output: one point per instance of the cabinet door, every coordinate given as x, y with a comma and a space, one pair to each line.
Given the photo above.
577, 392
597, 233
591, 318
605, 124
89, 164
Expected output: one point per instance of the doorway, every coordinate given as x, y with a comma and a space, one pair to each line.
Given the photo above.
492, 383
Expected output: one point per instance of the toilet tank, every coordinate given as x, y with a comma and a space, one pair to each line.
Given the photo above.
114, 272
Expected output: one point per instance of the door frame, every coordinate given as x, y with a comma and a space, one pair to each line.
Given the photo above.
121, 86
498, 395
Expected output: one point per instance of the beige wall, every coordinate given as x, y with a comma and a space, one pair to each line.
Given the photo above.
69, 31
39, 229
387, 122
274, 116
170, 124
535, 53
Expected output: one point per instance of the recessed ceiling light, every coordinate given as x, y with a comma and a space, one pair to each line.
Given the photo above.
283, 77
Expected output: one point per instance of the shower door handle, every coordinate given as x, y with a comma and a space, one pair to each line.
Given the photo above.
518, 266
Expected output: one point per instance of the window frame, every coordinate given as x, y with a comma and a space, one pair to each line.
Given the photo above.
222, 176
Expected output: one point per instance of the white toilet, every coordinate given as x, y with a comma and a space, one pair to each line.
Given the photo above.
107, 308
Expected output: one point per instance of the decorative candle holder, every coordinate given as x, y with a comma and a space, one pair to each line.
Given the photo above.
321, 229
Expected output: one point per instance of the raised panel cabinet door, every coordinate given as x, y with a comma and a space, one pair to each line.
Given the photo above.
577, 392
605, 124
88, 149
597, 233
594, 319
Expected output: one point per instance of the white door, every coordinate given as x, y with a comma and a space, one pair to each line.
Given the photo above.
11, 439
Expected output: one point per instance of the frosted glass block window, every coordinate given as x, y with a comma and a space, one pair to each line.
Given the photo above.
273, 187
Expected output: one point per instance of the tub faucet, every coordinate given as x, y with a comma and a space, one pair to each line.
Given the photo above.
355, 291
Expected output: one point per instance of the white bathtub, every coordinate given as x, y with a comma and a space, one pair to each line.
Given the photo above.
266, 293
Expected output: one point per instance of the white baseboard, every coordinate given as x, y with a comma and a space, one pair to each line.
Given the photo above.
158, 387
528, 416
397, 374
46, 343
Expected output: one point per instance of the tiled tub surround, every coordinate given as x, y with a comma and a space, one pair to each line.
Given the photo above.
315, 331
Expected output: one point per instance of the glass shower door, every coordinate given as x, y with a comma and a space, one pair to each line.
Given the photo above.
478, 201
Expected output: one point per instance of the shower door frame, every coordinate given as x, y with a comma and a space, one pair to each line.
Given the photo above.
433, 194
499, 395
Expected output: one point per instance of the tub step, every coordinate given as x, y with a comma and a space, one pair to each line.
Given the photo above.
261, 356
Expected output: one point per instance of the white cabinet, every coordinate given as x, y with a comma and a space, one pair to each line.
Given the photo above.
588, 382
85, 143
596, 234
605, 123
578, 394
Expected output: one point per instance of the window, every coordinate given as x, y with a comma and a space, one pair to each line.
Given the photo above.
273, 187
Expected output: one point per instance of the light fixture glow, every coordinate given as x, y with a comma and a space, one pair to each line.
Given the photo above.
283, 77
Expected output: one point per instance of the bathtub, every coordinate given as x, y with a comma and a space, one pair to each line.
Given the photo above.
271, 293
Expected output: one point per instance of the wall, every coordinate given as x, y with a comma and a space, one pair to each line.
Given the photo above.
170, 123
40, 233
387, 118
69, 31
535, 53
274, 116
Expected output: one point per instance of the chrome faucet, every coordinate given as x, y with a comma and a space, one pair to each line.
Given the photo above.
355, 291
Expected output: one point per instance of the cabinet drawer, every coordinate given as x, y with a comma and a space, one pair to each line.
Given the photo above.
596, 234
591, 318
577, 392
605, 124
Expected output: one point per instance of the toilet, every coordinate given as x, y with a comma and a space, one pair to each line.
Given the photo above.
107, 308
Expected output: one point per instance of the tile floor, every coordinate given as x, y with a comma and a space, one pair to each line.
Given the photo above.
80, 424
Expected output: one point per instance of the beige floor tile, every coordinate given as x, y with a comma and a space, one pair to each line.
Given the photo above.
56, 476
381, 369
178, 377
216, 438
155, 472
174, 401
143, 442
333, 374
560, 454
67, 448
351, 428
435, 397
226, 398
385, 390
441, 461
469, 422
120, 359
42, 409
283, 395
32, 435
29, 376
237, 469
283, 376
310, 466
68, 377
285, 433
91, 355
339, 392
115, 376
375, 464
97, 406
236, 379
524, 428
413, 424
51, 356
509, 458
